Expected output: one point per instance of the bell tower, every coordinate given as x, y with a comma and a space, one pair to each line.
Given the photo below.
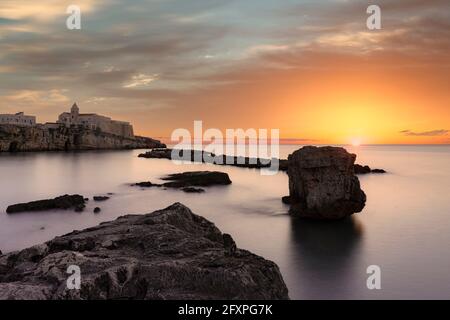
74, 112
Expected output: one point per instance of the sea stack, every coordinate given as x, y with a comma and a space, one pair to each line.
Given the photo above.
322, 183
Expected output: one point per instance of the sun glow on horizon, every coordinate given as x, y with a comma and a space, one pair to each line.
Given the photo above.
356, 142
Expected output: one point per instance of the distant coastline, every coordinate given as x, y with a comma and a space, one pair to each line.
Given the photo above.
72, 131
15, 138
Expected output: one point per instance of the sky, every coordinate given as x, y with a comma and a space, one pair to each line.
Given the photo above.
311, 69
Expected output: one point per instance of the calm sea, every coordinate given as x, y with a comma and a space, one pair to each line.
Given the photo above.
404, 229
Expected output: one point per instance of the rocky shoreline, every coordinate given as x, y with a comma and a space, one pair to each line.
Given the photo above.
168, 254
40, 138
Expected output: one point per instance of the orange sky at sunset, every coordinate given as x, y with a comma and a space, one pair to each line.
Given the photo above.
338, 105
311, 69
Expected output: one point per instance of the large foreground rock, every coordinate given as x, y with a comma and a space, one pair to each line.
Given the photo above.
322, 183
167, 254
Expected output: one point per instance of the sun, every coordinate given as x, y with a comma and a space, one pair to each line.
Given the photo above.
356, 142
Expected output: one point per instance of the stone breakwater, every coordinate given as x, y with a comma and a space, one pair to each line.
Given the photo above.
40, 138
168, 254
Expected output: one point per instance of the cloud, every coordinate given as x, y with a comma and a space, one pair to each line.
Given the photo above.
214, 59
432, 133
140, 80
96, 100
43, 9
36, 102
33, 96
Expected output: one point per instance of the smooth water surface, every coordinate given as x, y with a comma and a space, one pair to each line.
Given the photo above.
404, 228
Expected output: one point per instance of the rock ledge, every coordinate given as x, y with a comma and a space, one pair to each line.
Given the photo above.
168, 254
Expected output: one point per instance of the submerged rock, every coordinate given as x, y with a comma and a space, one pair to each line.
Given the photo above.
322, 183
196, 178
97, 209
147, 184
79, 208
168, 254
101, 198
193, 190
188, 181
65, 202
359, 169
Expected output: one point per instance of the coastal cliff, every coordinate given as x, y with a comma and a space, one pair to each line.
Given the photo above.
42, 138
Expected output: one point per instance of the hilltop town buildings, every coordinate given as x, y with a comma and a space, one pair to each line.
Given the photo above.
74, 119
19, 119
95, 122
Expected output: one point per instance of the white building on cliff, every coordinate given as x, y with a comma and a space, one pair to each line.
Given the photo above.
19, 119
95, 122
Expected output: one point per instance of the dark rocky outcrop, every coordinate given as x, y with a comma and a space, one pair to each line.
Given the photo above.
100, 198
167, 254
41, 138
188, 181
159, 153
193, 190
97, 209
243, 162
196, 179
207, 157
147, 184
322, 184
359, 169
65, 202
